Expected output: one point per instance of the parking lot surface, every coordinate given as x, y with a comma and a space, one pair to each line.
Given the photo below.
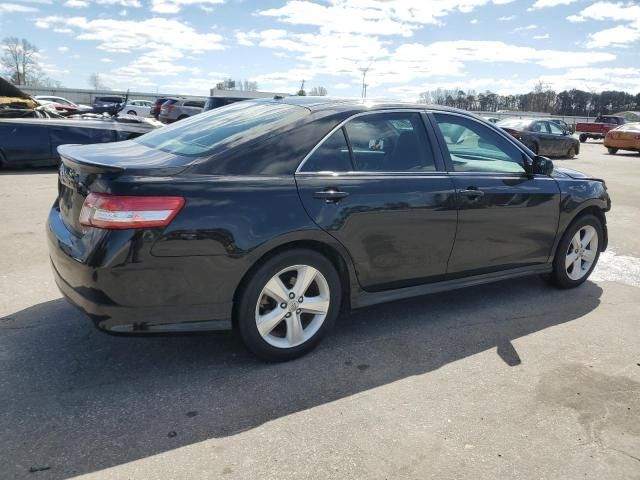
512, 380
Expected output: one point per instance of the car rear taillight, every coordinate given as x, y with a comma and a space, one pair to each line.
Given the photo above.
118, 212
169, 108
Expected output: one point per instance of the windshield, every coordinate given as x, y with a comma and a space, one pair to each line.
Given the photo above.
223, 127
629, 127
515, 123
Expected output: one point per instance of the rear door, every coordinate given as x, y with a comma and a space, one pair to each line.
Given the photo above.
507, 218
25, 143
377, 185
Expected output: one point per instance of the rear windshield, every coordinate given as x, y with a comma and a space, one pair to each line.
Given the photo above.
518, 123
223, 127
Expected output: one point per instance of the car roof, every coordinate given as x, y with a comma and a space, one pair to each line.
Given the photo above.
318, 104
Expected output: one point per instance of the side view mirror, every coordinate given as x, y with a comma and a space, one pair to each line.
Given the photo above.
542, 165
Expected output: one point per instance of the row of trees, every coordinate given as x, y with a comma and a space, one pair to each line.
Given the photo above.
541, 99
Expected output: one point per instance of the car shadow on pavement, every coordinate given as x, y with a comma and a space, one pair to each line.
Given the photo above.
75, 400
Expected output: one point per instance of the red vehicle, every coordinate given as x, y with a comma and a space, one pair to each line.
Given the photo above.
599, 128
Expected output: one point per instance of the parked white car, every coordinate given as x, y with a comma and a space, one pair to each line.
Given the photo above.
141, 108
61, 101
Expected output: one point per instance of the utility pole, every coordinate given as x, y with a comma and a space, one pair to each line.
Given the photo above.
364, 76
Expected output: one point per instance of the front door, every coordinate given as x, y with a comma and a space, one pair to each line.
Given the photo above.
507, 218
375, 185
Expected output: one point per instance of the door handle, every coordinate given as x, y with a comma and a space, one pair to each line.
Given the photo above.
472, 192
330, 195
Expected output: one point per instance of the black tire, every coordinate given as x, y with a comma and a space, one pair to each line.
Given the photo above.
612, 151
182, 117
247, 300
132, 112
572, 152
559, 276
583, 138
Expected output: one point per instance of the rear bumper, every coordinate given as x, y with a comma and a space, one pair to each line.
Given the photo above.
120, 299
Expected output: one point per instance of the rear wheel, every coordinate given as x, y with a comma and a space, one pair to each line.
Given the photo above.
288, 304
578, 252
572, 152
583, 138
612, 151
132, 112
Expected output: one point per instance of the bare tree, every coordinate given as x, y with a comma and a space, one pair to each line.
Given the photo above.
95, 80
20, 60
318, 92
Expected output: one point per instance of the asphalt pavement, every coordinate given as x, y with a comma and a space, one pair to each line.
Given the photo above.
513, 380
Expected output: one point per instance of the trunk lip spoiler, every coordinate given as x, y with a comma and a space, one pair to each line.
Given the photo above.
89, 167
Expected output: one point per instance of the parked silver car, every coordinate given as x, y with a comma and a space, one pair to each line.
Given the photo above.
141, 108
179, 108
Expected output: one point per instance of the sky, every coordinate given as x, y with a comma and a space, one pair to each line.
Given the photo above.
408, 46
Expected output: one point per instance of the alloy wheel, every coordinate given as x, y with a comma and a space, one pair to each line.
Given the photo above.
292, 306
582, 252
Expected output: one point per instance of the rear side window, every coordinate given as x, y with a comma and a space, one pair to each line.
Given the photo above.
194, 104
331, 156
222, 128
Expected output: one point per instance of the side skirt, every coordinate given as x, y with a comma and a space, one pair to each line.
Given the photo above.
363, 299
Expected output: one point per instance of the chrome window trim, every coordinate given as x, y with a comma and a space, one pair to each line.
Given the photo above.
341, 124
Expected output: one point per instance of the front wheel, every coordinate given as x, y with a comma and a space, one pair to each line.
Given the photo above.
612, 151
288, 304
583, 138
572, 152
132, 112
578, 252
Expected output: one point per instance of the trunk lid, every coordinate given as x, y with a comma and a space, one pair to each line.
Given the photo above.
97, 168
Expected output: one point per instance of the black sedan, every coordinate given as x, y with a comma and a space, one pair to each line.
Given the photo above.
34, 141
272, 216
543, 137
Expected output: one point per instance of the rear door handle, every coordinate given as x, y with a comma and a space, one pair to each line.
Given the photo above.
472, 192
330, 195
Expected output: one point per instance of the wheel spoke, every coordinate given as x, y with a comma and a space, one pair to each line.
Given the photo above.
589, 255
315, 305
276, 290
575, 241
588, 236
570, 259
577, 267
295, 333
266, 323
306, 275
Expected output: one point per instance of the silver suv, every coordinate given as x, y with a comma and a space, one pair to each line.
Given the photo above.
178, 108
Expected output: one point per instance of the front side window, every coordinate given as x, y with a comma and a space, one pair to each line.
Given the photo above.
474, 147
555, 129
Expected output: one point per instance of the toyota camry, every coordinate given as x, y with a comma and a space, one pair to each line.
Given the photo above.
272, 216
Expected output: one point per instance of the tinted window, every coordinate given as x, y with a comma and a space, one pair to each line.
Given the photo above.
539, 127
331, 156
474, 147
388, 142
194, 104
223, 127
515, 123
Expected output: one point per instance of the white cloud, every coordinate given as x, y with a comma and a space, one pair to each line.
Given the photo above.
474, 21
371, 17
341, 86
63, 49
506, 18
106, 60
619, 36
76, 3
174, 6
15, 8
541, 37
524, 28
550, 3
